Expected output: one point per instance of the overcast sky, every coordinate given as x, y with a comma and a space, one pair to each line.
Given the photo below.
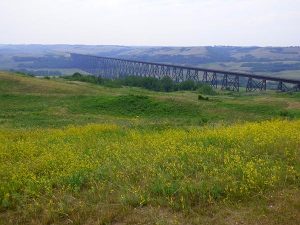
151, 22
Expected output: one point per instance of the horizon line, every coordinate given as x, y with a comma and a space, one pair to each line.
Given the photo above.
174, 46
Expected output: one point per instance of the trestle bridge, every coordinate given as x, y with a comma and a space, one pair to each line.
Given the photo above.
114, 68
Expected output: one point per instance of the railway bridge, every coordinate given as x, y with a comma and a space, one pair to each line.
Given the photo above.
114, 68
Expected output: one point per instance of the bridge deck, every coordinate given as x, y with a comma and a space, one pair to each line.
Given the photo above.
241, 74
229, 80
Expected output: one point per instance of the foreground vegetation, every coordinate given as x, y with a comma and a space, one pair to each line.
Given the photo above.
173, 168
73, 152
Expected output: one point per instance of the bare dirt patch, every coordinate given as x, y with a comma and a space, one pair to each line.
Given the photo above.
294, 105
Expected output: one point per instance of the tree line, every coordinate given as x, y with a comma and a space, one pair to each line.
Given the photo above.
165, 84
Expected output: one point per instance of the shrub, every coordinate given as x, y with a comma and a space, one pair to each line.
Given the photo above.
76, 75
286, 114
187, 85
167, 84
151, 83
206, 89
202, 98
85, 78
133, 81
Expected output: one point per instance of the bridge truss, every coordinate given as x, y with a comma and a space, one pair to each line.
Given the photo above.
115, 68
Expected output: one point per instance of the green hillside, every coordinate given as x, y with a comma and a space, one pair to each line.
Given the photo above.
79, 153
33, 102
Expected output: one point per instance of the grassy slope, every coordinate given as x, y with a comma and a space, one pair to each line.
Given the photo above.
29, 103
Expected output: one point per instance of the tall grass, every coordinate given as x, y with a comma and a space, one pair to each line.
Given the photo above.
177, 168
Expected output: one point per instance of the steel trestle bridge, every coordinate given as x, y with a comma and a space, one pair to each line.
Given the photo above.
114, 68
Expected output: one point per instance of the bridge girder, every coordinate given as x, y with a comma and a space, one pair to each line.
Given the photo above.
255, 84
114, 68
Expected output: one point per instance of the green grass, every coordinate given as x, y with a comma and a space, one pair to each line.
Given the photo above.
27, 102
135, 106
147, 157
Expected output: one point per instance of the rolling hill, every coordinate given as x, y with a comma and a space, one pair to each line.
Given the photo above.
53, 60
74, 152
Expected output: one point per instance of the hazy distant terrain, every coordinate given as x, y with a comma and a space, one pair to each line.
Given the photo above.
53, 59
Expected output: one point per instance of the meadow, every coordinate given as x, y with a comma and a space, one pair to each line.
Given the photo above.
79, 153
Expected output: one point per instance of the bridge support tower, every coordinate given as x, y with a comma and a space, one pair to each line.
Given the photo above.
254, 84
231, 82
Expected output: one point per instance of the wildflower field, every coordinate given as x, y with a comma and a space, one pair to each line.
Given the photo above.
142, 169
